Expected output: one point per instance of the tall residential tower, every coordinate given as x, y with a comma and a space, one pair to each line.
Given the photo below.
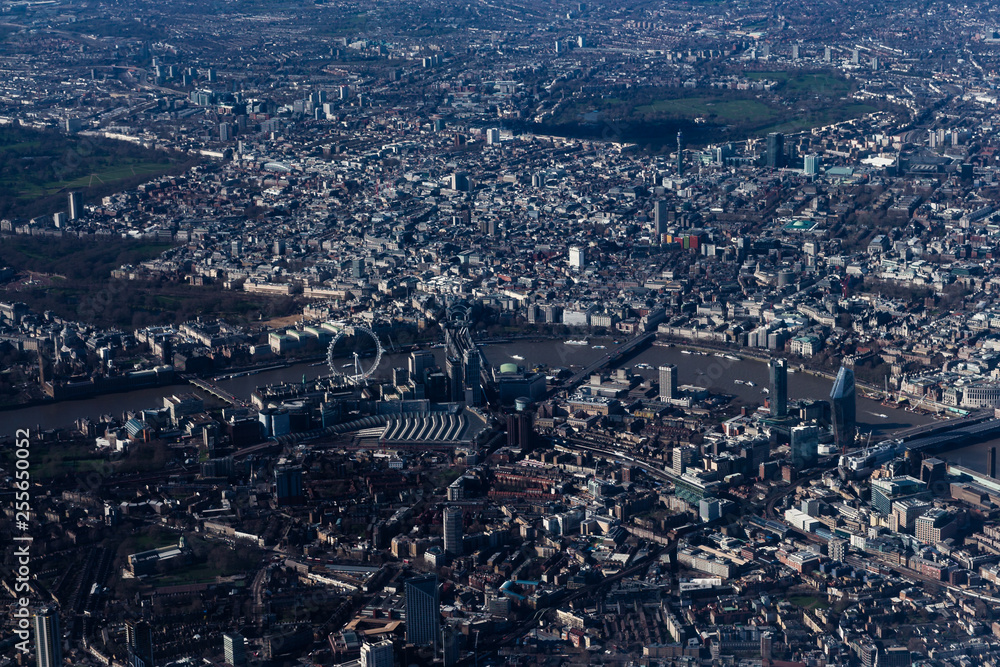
845, 416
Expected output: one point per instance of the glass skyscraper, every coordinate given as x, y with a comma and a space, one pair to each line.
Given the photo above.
423, 623
845, 415
775, 150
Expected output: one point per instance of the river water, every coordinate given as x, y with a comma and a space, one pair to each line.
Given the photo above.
716, 373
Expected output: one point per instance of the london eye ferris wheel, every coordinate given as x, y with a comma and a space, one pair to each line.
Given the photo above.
354, 354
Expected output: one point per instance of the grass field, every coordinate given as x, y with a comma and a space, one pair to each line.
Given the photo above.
819, 118
133, 304
808, 602
72, 459
352, 24
113, 172
117, 173
212, 559
38, 168
72, 258
146, 542
805, 83
725, 111
72, 278
652, 116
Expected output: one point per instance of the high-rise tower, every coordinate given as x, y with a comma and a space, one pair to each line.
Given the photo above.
778, 370
139, 642
48, 638
473, 384
668, 382
377, 655
75, 205
234, 646
680, 153
453, 530
423, 621
845, 420
775, 150
659, 220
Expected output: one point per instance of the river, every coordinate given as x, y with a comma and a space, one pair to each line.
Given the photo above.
716, 373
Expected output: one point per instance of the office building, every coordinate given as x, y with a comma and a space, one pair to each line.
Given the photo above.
453, 530
451, 639
460, 181
75, 205
234, 647
472, 381
682, 458
805, 446
288, 485
519, 430
811, 165
48, 638
577, 257
766, 646
377, 655
905, 514
935, 526
778, 372
775, 150
139, 643
225, 132
423, 622
887, 491
843, 396
710, 509
419, 363
895, 656
668, 382
453, 371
